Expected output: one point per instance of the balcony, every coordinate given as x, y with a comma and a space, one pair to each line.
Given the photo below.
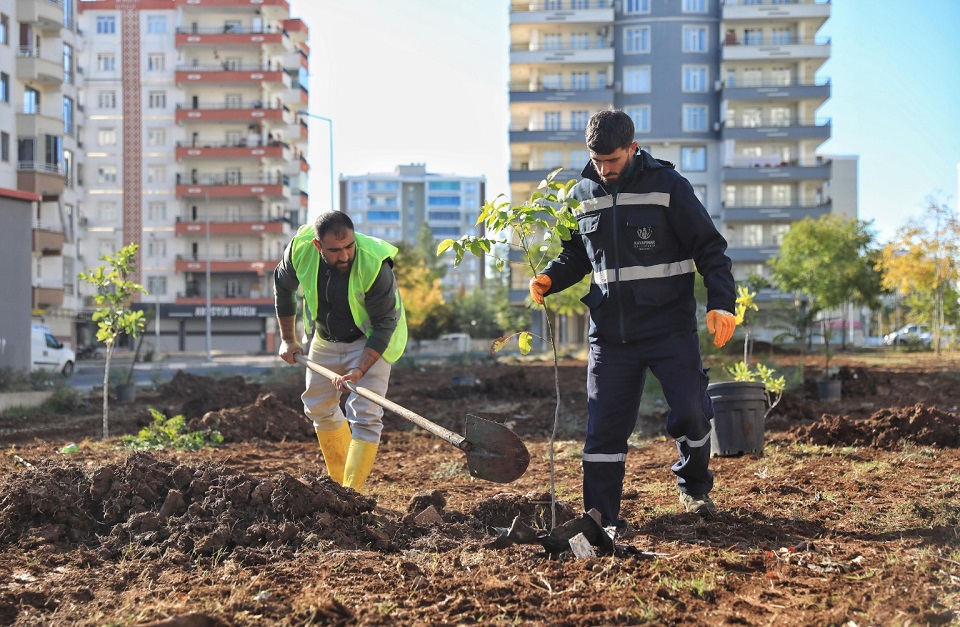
794, 90
561, 11
567, 92
534, 172
47, 242
809, 11
229, 36
233, 229
743, 49
776, 130
775, 213
785, 171
560, 133
46, 14
32, 123
31, 66
40, 178
224, 151
537, 53
220, 298
219, 266
752, 252
47, 297
230, 75
224, 186
216, 113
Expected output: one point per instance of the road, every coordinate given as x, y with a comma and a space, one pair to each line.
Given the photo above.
89, 372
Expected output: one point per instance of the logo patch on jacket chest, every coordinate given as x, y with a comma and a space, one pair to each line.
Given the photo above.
645, 241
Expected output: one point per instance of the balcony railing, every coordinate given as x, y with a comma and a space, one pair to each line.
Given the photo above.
773, 162
560, 5
227, 67
564, 86
548, 127
735, 40
224, 179
223, 293
256, 104
256, 142
734, 3
546, 47
764, 242
39, 166
230, 30
768, 121
767, 83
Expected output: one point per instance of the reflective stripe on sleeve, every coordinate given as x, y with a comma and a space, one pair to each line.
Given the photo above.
605, 457
639, 273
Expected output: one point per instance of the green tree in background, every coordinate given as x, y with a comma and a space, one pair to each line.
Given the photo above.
422, 294
830, 261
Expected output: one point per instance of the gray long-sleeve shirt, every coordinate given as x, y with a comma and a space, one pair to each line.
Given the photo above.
334, 322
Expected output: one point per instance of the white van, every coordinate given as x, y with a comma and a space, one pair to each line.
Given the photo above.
48, 353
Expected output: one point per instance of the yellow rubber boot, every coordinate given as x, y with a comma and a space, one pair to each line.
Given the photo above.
360, 460
334, 446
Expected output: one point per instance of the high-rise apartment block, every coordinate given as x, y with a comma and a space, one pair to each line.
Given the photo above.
396, 206
172, 124
725, 89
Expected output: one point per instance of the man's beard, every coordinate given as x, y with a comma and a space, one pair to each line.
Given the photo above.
343, 268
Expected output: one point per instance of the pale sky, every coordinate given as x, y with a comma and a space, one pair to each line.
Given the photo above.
425, 81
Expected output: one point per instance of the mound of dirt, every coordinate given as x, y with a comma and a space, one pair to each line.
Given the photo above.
175, 512
532, 509
886, 429
193, 395
268, 418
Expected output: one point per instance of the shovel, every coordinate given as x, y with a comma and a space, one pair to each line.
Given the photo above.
494, 452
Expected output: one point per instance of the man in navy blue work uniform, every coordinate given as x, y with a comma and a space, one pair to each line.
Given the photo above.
643, 235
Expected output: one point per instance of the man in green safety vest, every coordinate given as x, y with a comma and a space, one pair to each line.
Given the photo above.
354, 324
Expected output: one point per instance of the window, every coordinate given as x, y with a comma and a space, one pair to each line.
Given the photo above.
552, 41
445, 231
106, 25
752, 37
383, 216
580, 81
4, 147
107, 99
233, 250
356, 187
156, 24
106, 62
552, 159
693, 158
107, 174
157, 211
443, 186
157, 100
781, 195
157, 247
641, 118
695, 78
551, 120
156, 137
636, 6
636, 79
68, 115
781, 76
694, 118
156, 174
31, 100
4, 87
4, 29
579, 119
579, 157
443, 201
780, 36
68, 63
107, 137
156, 62
106, 211
694, 6
695, 39
553, 80
157, 285
446, 216
580, 41
636, 40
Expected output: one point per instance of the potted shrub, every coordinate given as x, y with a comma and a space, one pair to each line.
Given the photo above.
741, 406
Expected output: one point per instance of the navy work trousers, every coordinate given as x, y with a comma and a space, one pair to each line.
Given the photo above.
615, 377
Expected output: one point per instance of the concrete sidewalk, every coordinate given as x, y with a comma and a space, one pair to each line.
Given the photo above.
166, 361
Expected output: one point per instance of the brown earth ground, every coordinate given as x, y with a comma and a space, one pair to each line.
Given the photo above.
849, 518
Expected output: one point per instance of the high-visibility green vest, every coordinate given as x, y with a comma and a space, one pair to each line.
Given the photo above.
370, 254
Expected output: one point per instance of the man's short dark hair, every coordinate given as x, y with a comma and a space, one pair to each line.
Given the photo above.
609, 130
336, 222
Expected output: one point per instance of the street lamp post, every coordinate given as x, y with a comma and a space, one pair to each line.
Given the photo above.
206, 212
330, 122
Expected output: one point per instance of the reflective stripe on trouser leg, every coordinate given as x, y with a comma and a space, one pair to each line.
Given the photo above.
321, 399
678, 367
615, 379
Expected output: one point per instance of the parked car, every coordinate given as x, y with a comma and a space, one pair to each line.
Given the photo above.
911, 334
49, 353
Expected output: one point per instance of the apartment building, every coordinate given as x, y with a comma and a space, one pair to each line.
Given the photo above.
395, 206
194, 149
728, 90
40, 142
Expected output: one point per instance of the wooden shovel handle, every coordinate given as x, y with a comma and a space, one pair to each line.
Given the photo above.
451, 437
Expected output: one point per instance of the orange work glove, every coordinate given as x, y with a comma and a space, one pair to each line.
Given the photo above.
721, 324
540, 285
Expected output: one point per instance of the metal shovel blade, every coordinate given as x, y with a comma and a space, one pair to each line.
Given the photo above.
494, 452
